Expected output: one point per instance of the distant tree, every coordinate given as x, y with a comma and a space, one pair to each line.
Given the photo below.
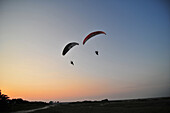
105, 100
3, 97
4, 102
51, 102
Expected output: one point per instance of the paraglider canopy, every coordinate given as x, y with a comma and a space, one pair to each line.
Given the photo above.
68, 47
91, 35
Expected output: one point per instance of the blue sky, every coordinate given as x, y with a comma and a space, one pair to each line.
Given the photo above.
133, 61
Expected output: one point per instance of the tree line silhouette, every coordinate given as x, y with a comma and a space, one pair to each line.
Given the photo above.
7, 104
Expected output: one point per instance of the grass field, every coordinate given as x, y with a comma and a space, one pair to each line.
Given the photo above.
155, 105
27, 106
23, 106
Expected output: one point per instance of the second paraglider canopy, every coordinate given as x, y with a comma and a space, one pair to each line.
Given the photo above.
92, 35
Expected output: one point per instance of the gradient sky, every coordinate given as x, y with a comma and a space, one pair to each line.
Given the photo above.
133, 61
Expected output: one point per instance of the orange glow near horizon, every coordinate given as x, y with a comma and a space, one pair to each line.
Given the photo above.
54, 88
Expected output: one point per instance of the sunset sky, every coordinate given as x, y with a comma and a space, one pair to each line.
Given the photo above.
133, 61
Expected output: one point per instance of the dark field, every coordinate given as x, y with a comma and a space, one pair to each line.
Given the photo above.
27, 106
155, 105
21, 106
